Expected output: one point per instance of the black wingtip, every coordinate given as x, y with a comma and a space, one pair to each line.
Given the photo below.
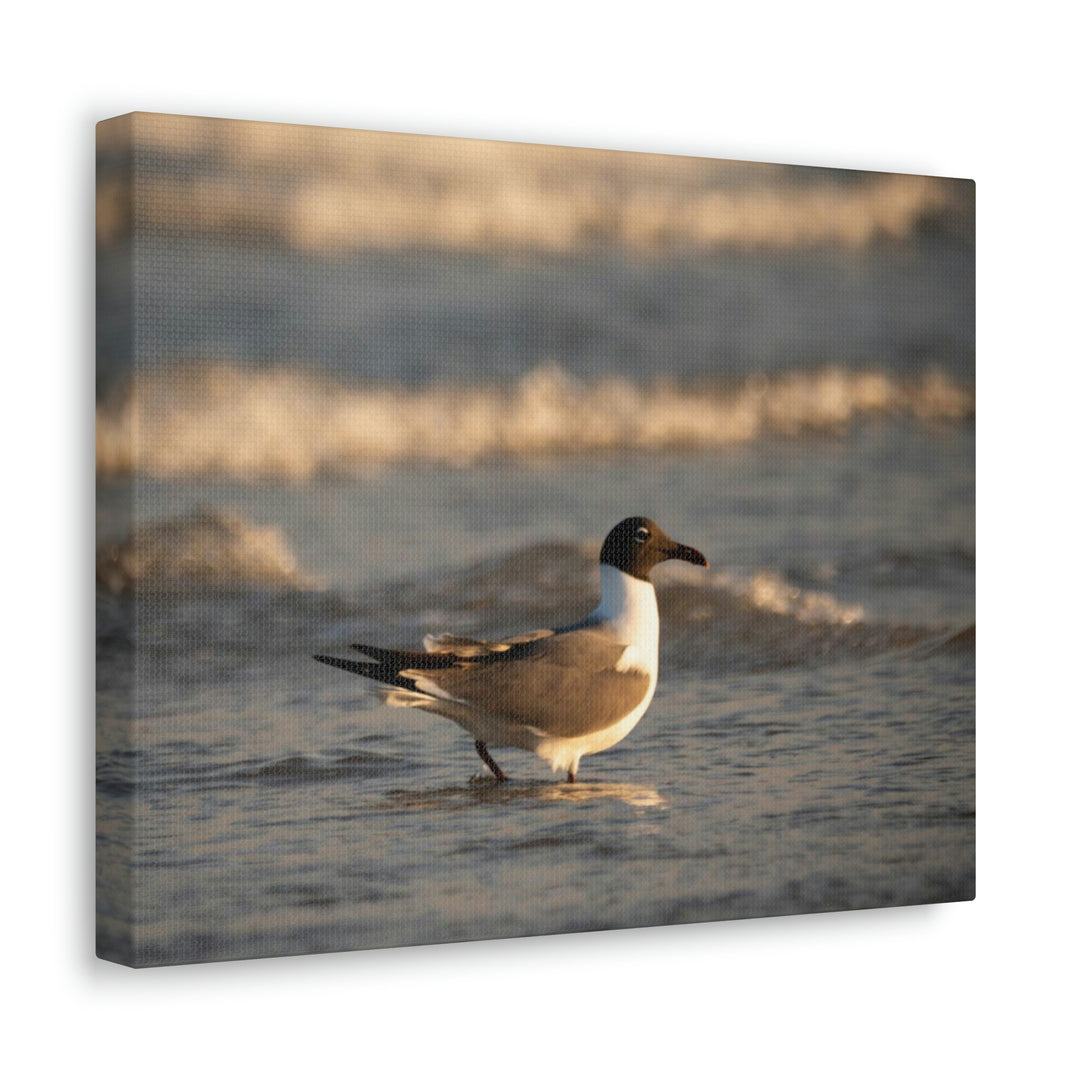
389, 657
355, 666
389, 675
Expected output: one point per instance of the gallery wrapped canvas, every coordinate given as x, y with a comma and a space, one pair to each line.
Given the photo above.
498, 539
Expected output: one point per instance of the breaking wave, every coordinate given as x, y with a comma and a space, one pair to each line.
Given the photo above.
228, 421
335, 190
205, 547
717, 619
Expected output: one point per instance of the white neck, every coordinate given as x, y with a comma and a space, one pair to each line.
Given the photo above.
628, 606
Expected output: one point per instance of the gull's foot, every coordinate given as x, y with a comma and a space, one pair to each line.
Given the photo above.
571, 776
489, 761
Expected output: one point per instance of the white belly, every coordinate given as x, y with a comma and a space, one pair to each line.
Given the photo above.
628, 606
564, 754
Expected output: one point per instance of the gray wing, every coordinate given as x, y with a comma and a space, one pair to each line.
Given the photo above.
456, 645
564, 684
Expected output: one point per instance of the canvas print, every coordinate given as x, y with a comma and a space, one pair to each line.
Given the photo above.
498, 539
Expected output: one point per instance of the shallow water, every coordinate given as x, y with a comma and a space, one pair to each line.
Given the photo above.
769, 794
810, 746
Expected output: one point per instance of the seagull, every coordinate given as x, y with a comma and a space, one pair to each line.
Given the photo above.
560, 693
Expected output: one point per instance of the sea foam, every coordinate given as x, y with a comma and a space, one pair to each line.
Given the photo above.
207, 547
221, 420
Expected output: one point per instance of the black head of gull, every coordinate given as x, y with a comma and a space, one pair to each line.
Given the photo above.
637, 544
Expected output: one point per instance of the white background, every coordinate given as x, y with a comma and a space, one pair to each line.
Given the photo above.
921, 87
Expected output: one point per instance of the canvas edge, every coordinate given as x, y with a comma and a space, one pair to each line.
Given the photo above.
114, 314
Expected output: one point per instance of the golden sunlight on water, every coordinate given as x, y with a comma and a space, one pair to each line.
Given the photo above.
631, 794
330, 189
249, 424
485, 790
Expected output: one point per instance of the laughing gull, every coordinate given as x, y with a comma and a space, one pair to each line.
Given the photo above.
560, 693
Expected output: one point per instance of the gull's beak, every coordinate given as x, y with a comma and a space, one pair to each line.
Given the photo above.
688, 554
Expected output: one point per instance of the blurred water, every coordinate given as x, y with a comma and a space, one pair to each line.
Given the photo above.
446, 316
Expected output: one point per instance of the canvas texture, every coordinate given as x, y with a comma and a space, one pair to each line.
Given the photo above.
396, 390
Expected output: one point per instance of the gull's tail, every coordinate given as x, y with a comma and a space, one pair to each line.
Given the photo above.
391, 667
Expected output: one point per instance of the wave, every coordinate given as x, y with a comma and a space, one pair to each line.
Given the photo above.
219, 420
715, 619
189, 765
220, 547
319, 189
205, 547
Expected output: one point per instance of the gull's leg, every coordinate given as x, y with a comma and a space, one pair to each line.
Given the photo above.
571, 776
489, 761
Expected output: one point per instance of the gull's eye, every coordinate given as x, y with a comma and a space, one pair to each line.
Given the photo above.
641, 535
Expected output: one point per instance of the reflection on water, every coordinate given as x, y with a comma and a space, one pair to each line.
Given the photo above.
485, 790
